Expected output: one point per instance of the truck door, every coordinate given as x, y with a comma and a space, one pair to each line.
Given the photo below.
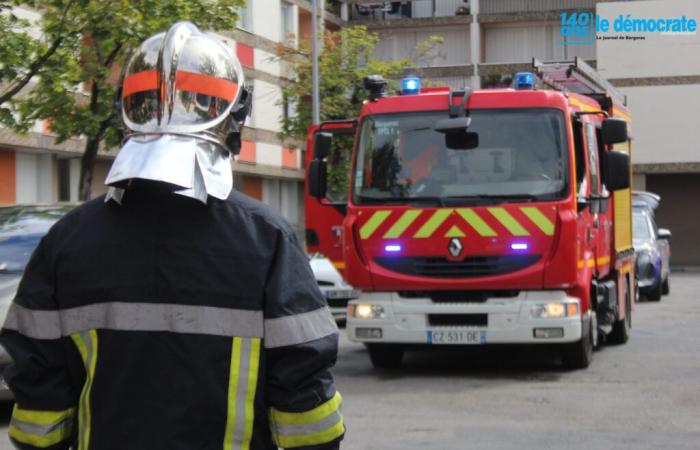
324, 217
585, 226
597, 219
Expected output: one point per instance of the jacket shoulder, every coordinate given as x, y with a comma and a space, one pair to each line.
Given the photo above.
258, 211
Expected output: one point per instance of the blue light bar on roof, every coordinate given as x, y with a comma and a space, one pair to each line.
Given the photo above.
524, 80
410, 86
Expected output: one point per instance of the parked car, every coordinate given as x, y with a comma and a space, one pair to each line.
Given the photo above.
652, 247
21, 228
333, 285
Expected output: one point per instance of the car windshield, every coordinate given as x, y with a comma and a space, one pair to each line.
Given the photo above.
521, 153
21, 228
641, 230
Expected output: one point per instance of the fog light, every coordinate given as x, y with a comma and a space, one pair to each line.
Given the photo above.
548, 333
367, 311
368, 333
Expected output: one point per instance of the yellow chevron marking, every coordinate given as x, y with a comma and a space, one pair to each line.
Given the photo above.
539, 219
373, 223
406, 219
454, 232
476, 222
433, 223
509, 222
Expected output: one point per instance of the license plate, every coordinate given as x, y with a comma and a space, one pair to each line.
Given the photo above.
470, 337
342, 293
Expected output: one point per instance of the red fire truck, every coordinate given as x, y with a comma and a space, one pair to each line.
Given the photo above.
496, 216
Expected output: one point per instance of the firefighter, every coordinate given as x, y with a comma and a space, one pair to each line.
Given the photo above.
173, 313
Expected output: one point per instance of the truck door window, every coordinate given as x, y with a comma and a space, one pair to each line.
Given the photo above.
338, 163
580, 154
592, 147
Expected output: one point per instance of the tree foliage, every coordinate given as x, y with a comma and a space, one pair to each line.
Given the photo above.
346, 59
76, 84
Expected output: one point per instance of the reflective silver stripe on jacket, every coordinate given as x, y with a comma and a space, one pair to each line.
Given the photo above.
299, 328
216, 321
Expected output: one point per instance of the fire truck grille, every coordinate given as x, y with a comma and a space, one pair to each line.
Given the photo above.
469, 267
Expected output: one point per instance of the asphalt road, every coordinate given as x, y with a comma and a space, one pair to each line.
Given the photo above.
642, 395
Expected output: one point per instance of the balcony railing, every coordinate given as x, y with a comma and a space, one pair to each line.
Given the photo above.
407, 9
529, 6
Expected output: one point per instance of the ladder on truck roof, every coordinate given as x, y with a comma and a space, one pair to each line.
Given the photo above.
577, 77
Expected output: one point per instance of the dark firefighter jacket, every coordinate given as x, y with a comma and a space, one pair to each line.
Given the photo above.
168, 324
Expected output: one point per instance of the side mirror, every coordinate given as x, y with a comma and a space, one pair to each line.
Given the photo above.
664, 233
614, 131
617, 171
317, 177
322, 145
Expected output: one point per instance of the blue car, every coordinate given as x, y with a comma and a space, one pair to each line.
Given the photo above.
652, 247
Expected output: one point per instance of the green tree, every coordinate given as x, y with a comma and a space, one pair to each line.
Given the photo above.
76, 84
346, 59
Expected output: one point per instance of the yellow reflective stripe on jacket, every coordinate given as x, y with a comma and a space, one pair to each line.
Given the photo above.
87, 346
243, 381
320, 425
41, 428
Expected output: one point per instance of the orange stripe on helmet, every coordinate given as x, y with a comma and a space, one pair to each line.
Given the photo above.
139, 82
185, 81
206, 85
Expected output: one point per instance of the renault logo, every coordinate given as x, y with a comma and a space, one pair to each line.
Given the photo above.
455, 247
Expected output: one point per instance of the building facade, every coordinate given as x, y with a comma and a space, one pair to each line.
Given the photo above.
487, 41
34, 169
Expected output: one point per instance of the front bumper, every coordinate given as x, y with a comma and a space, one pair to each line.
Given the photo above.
406, 320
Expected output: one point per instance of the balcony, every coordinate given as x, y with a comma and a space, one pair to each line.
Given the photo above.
407, 10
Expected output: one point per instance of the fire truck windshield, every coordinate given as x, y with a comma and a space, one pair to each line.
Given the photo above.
521, 155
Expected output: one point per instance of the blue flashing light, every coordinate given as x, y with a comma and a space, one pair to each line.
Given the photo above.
524, 80
392, 248
410, 85
519, 246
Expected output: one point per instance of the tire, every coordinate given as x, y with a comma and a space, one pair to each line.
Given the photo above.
621, 328
637, 294
655, 292
666, 285
579, 355
385, 356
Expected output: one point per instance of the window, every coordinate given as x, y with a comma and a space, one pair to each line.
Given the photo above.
580, 157
521, 152
245, 16
592, 147
289, 34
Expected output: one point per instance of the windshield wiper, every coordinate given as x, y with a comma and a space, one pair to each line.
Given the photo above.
439, 201
502, 197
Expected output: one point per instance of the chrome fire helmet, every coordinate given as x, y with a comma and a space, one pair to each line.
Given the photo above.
183, 102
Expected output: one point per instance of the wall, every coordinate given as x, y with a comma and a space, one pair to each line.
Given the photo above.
664, 123
520, 42
658, 54
402, 42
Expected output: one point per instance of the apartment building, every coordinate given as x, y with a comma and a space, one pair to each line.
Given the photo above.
487, 41
34, 169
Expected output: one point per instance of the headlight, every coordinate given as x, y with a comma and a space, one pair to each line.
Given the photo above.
554, 310
366, 311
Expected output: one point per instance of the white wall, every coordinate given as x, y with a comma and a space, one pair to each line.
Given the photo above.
266, 16
664, 123
520, 42
401, 43
267, 109
656, 55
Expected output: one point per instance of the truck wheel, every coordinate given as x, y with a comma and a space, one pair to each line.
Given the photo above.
656, 291
385, 356
578, 355
621, 328
666, 286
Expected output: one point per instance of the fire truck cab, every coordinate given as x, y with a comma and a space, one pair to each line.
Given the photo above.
496, 216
